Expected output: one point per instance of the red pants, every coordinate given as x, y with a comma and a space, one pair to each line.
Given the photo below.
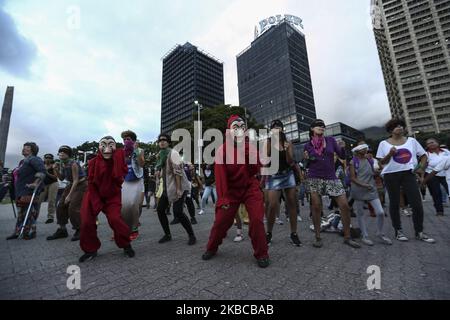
253, 200
89, 241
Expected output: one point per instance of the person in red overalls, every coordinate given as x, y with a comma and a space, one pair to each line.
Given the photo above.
236, 183
106, 174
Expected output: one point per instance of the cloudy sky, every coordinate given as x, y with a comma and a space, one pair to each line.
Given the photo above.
82, 69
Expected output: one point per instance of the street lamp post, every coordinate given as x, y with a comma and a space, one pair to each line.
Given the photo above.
85, 155
200, 140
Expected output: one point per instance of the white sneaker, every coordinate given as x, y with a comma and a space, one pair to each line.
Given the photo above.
406, 213
401, 236
279, 221
423, 237
201, 212
299, 219
385, 239
367, 241
238, 238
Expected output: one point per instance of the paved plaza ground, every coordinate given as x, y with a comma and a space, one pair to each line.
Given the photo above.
37, 269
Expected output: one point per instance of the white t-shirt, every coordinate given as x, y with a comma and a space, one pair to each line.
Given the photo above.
406, 157
438, 162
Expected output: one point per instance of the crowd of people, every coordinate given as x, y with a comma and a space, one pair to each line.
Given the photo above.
116, 182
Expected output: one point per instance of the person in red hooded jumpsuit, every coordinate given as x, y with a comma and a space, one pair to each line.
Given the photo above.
236, 183
105, 178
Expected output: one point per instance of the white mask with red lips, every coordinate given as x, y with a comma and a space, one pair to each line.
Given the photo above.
107, 146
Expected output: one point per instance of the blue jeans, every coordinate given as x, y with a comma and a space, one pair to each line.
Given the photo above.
207, 194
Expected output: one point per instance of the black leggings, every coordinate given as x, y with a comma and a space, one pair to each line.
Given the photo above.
407, 181
434, 185
190, 206
163, 204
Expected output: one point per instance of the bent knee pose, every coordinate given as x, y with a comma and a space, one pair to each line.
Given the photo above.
104, 194
133, 186
237, 183
363, 189
69, 205
174, 189
322, 180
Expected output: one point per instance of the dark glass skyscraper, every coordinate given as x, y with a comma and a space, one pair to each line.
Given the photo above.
189, 74
274, 79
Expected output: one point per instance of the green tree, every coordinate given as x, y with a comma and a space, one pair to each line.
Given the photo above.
217, 118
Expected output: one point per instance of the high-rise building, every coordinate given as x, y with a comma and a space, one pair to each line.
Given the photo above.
412, 38
189, 74
274, 78
5, 120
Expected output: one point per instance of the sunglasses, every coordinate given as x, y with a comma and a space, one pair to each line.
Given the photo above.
161, 140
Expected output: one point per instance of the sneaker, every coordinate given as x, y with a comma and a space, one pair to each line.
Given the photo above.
299, 219
269, 238
295, 240
367, 241
238, 238
76, 236
13, 237
59, 234
401, 237
175, 221
406, 213
423, 237
279, 221
385, 239
49, 220
352, 243
192, 240
87, 256
193, 220
166, 238
134, 235
129, 251
201, 212
263, 263
318, 243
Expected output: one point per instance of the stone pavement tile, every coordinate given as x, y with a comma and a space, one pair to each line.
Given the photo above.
176, 271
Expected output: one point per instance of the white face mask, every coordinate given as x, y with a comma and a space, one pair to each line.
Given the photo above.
207, 172
238, 129
107, 147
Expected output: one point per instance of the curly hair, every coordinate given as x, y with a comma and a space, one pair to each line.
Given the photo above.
394, 123
33, 146
129, 134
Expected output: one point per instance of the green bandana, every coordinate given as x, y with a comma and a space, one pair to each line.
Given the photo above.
163, 154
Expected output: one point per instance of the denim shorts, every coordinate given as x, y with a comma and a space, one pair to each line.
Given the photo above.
281, 181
